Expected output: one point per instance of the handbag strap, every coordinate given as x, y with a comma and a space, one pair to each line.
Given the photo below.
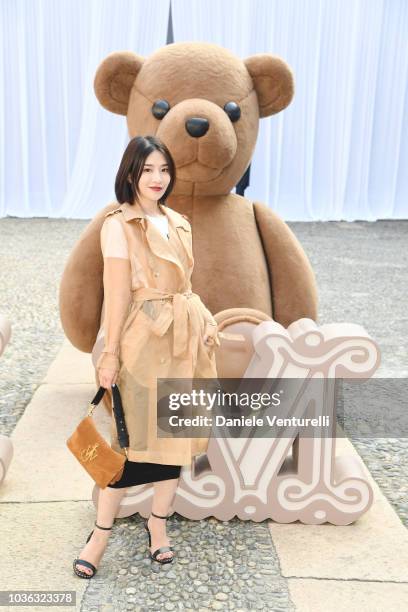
123, 436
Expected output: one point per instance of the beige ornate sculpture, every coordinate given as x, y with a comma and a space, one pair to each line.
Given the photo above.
282, 478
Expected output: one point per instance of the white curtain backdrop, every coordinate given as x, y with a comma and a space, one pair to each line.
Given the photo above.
339, 151
60, 149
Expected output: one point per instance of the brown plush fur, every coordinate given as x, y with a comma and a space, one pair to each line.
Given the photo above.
245, 255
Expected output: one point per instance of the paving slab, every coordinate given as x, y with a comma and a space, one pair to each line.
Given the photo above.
40, 545
70, 366
347, 596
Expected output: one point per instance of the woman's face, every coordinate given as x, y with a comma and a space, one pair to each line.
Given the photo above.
154, 174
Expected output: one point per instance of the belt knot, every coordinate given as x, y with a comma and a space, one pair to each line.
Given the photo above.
175, 310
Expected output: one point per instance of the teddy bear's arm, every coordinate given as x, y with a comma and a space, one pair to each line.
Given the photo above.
211, 326
294, 290
117, 290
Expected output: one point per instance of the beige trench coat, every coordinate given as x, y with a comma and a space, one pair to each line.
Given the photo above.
154, 325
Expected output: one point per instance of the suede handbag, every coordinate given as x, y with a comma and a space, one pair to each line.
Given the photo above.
93, 452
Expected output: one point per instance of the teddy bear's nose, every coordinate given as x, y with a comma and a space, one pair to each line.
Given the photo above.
197, 126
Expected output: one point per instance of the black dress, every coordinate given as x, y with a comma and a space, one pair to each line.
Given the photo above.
136, 473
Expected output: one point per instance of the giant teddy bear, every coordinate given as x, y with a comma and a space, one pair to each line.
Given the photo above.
205, 104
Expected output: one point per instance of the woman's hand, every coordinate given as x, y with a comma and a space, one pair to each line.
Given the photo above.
210, 334
108, 367
107, 377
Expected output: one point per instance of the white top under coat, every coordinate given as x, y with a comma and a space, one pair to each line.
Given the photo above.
161, 223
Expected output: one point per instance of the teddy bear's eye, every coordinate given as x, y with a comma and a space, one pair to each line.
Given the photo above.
233, 111
160, 108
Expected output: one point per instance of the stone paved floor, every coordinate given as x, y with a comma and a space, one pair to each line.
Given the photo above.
361, 270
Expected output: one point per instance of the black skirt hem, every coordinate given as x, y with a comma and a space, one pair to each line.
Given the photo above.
137, 472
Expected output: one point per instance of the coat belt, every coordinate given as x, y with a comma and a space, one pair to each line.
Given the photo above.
175, 309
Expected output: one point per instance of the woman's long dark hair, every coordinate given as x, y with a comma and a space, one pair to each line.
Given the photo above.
132, 163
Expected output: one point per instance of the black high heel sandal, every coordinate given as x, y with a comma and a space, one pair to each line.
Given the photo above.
79, 572
162, 549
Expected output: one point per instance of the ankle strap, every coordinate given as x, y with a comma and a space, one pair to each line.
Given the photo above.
99, 527
158, 516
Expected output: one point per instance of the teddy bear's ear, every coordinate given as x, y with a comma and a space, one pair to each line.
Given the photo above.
114, 79
273, 82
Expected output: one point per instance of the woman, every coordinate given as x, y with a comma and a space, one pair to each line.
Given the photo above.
155, 327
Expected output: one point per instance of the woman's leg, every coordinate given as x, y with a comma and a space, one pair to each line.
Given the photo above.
164, 492
108, 505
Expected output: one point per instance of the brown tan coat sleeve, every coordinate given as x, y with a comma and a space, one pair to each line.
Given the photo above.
117, 289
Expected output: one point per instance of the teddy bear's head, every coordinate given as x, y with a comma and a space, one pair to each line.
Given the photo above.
202, 101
